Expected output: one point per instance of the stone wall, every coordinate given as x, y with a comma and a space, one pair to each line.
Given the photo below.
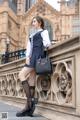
58, 93
9, 28
17, 26
62, 95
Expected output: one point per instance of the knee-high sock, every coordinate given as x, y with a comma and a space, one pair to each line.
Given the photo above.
27, 92
32, 91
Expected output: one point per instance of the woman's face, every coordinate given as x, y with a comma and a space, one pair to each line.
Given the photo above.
35, 23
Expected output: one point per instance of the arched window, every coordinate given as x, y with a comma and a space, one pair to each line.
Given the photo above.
49, 28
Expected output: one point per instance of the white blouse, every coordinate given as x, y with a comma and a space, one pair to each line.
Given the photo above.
46, 42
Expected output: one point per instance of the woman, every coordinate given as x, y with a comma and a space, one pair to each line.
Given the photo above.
35, 49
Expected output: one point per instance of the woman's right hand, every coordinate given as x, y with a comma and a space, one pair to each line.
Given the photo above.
27, 60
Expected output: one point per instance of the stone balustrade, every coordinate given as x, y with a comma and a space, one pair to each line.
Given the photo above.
58, 92
10, 84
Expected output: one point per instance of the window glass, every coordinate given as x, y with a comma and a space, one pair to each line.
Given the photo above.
13, 5
29, 3
76, 25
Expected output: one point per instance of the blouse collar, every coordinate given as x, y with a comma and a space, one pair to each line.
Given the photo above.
35, 31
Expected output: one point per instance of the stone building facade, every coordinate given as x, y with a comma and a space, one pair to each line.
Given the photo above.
16, 16
58, 93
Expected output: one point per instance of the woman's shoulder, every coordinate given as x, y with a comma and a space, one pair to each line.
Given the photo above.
45, 31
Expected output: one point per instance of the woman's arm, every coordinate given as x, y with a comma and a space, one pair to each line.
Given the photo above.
46, 39
28, 52
28, 49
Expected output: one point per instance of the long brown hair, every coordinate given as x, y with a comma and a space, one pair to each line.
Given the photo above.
40, 20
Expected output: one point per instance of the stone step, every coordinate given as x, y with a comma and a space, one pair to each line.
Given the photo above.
9, 112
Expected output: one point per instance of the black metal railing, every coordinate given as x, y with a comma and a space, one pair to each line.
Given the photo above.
11, 56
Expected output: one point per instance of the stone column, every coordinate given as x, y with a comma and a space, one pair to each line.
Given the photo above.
77, 74
79, 8
20, 7
3, 43
78, 71
4, 29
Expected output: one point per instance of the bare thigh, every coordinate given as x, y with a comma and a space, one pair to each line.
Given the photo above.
23, 74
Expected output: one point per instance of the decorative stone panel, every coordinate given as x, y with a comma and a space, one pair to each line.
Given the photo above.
62, 83
59, 92
62, 95
56, 88
41, 9
43, 87
10, 84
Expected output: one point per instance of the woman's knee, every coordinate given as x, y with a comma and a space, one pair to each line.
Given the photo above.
23, 73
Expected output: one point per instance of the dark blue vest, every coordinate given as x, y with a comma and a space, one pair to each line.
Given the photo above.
38, 48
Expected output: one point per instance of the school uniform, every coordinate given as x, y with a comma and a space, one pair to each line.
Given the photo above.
35, 46
35, 50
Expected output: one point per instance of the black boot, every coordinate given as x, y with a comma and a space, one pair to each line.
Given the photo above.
26, 110
34, 100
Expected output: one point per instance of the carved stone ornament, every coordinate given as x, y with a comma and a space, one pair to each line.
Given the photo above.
41, 8
62, 83
43, 85
10, 85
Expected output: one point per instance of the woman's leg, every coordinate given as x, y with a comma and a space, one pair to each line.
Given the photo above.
32, 80
23, 75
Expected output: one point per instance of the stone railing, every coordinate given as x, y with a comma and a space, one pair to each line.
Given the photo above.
11, 56
58, 93
10, 85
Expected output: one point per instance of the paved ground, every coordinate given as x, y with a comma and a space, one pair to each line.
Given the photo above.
10, 112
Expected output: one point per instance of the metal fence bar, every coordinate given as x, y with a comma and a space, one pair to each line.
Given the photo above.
11, 56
